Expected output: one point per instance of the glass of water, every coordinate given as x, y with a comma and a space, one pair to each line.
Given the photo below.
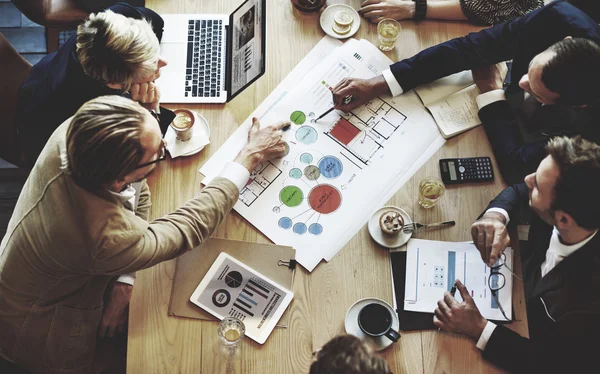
231, 331
388, 31
431, 190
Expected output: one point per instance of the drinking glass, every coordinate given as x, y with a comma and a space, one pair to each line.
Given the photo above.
388, 31
431, 190
231, 331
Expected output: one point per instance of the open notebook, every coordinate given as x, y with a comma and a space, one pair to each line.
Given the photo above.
451, 102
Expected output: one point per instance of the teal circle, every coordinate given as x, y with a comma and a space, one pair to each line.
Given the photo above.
306, 158
296, 173
306, 135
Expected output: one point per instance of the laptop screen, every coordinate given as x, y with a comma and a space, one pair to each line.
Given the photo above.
247, 44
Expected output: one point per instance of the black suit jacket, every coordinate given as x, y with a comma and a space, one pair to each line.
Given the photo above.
57, 87
563, 307
520, 40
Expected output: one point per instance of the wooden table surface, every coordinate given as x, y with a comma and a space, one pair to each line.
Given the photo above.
162, 344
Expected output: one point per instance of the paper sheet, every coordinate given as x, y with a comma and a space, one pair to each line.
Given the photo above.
340, 168
443, 87
433, 266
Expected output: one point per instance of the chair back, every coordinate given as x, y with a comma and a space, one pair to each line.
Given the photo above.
13, 71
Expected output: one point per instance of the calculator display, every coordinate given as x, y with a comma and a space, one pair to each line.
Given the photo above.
452, 170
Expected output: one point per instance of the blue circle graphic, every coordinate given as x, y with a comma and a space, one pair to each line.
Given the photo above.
285, 223
306, 135
296, 173
315, 229
300, 228
330, 167
306, 158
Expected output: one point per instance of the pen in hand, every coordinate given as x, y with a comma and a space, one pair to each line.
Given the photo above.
452, 292
347, 100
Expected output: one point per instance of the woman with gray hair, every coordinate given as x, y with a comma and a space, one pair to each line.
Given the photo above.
113, 52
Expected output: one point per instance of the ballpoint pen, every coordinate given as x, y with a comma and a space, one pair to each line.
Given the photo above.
452, 292
346, 101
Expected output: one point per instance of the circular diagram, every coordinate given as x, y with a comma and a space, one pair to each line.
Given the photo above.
276, 209
315, 229
291, 196
324, 199
296, 173
306, 135
311, 172
285, 223
300, 228
221, 298
298, 117
330, 167
306, 158
233, 279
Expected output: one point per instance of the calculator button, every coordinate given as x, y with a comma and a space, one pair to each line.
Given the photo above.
461, 169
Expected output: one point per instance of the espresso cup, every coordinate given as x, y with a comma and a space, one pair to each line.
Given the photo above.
183, 124
376, 320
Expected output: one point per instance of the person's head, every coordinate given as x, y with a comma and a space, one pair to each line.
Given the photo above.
347, 354
118, 51
567, 73
108, 139
564, 189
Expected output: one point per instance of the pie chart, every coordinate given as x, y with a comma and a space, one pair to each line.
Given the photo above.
233, 279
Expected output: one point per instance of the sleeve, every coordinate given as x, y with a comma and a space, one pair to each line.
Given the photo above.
513, 200
124, 250
144, 204
486, 47
567, 348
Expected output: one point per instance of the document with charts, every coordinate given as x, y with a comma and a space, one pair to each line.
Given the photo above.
451, 101
433, 266
338, 169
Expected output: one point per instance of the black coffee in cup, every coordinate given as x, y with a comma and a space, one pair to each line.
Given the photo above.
376, 320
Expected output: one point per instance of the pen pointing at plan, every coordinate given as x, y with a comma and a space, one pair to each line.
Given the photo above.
452, 292
347, 100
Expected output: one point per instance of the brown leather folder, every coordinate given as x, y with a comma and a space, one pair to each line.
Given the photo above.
193, 266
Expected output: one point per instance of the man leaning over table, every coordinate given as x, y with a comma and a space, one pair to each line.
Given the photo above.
77, 226
561, 266
553, 88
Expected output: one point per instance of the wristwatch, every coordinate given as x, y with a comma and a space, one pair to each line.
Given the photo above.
420, 9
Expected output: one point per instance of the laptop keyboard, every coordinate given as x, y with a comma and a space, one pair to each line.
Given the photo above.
203, 70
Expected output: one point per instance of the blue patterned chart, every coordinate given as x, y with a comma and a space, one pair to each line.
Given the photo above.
330, 167
299, 228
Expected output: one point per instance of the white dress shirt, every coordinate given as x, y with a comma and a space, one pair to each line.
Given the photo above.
233, 171
557, 251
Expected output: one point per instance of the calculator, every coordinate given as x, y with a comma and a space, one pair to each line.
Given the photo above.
466, 170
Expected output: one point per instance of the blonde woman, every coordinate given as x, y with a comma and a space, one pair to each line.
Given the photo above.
113, 52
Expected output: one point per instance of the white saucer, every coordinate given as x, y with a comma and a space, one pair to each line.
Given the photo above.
327, 20
200, 138
385, 240
351, 323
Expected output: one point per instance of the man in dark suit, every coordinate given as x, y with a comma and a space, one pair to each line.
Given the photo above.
109, 55
561, 266
544, 66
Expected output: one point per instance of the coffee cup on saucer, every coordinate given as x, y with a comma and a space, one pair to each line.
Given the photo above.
183, 124
376, 320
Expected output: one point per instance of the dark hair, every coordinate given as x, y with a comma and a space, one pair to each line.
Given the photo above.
575, 192
347, 354
574, 71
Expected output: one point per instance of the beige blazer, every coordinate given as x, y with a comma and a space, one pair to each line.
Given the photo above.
64, 245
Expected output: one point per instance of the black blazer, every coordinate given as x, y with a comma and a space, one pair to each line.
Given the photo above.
57, 87
520, 40
563, 307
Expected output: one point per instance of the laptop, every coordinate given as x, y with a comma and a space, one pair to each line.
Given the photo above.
212, 58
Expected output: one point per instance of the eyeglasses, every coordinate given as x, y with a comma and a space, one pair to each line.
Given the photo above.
497, 281
163, 150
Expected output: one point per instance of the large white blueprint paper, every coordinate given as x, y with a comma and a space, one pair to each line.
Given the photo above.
339, 168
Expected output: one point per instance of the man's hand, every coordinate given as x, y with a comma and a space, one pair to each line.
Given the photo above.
114, 315
489, 78
147, 94
376, 10
462, 318
263, 144
490, 236
363, 90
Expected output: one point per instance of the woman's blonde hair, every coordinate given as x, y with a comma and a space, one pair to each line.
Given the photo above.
104, 141
115, 49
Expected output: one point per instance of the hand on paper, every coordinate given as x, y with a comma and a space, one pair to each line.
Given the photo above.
489, 78
462, 318
363, 90
490, 236
263, 144
147, 94
115, 313
376, 10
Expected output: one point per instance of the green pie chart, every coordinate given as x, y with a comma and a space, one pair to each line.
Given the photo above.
298, 117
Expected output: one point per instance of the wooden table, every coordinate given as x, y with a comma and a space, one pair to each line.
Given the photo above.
162, 344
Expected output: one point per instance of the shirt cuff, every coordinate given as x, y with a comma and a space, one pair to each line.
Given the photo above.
486, 335
392, 83
127, 279
236, 173
490, 97
502, 211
